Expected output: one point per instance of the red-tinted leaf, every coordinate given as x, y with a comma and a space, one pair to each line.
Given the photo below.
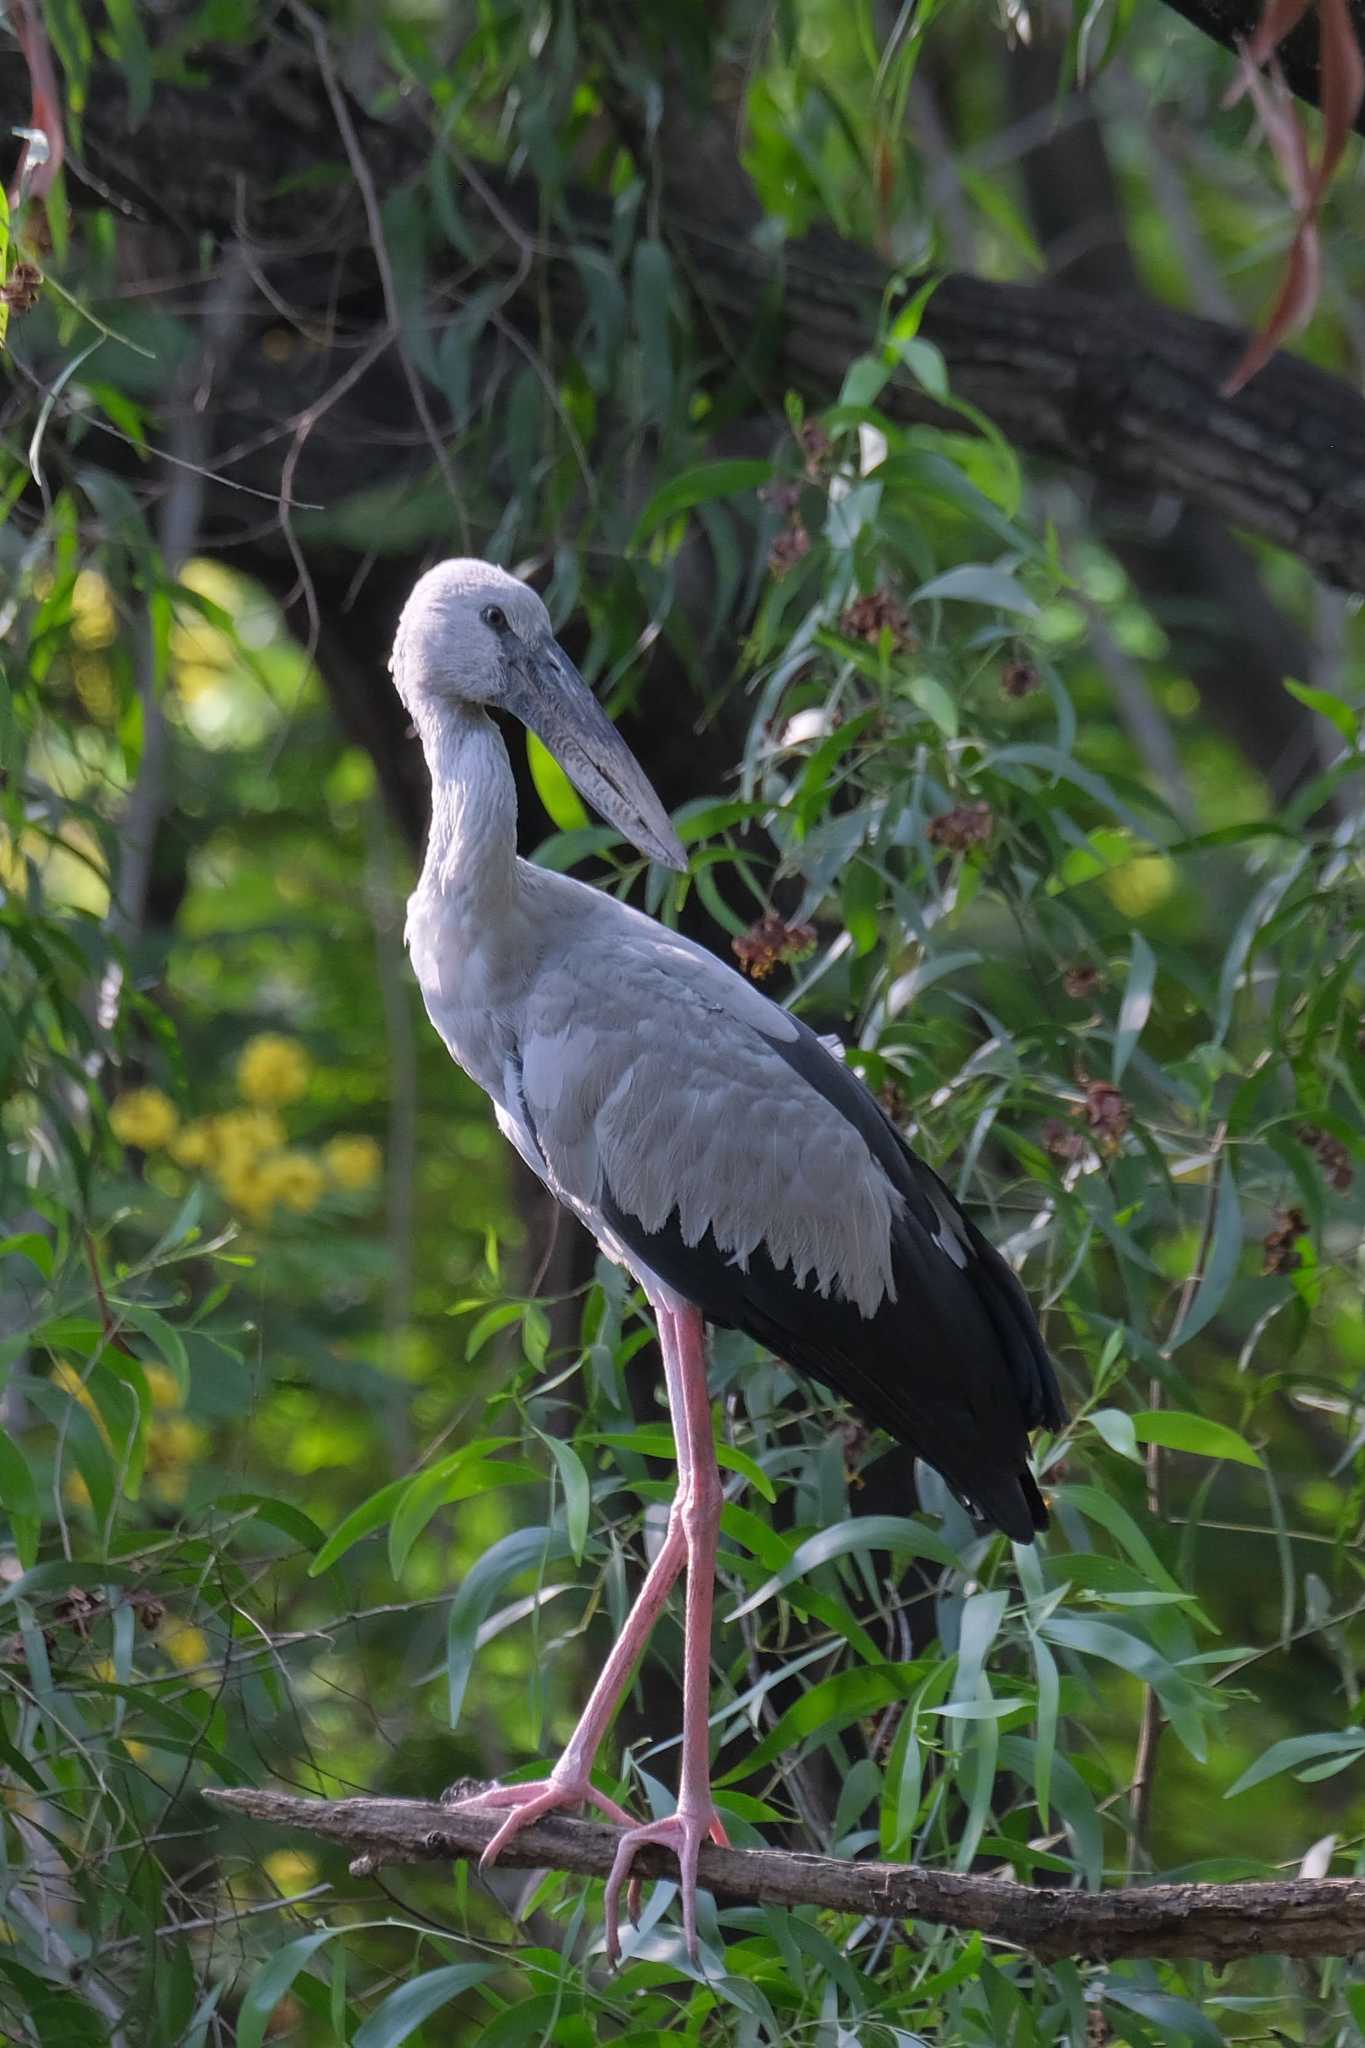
1341, 88
32, 180
1278, 117
1297, 297
1277, 18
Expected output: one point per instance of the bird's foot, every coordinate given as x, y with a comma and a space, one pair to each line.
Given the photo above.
528, 1803
683, 1832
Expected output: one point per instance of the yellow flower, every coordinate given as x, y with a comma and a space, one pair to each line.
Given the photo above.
241, 1137
144, 1117
243, 1183
193, 1144
1141, 885
93, 622
162, 1385
184, 1644
295, 1179
273, 1069
353, 1162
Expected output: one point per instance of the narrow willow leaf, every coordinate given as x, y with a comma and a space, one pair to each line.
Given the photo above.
827, 1708
694, 487
977, 583
896, 1533
272, 1981
1136, 1006
361, 1522
1295, 1750
403, 2011
1176, 1430
1219, 1273
506, 1560
563, 805
577, 1492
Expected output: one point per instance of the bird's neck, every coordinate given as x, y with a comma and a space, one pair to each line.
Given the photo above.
471, 856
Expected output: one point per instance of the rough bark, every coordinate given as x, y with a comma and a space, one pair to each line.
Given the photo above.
1219, 1922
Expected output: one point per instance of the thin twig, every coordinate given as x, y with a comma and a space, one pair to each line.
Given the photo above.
360, 171
1297, 1917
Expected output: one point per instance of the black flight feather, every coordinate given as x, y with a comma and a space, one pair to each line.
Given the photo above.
955, 1367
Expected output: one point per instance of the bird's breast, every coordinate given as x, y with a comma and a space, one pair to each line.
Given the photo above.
470, 988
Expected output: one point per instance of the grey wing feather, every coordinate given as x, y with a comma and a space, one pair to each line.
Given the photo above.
651, 1073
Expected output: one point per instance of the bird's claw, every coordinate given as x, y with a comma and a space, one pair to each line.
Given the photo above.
528, 1803
683, 1832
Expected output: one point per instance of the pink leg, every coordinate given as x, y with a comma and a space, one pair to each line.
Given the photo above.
699, 1504
569, 1783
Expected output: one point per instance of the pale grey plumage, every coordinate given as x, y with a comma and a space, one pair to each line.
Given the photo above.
619, 1055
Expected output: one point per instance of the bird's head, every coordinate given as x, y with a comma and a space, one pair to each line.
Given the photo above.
470, 634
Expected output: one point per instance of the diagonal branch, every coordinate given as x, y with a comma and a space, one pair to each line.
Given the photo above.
1293, 1917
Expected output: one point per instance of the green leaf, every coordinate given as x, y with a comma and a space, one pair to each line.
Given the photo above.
463, 1473
1177, 1430
896, 1533
134, 56
1136, 1006
361, 1522
655, 1440
19, 1497
1348, 1744
698, 486
861, 898
828, 1707
506, 1560
1342, 715
577, 1492
280, 1514
651, 290
1115, 1425
28, 1244
272, 1981
1185, 1707
562, 803
976, 583
404, 2010
166, 1341
1224, 1255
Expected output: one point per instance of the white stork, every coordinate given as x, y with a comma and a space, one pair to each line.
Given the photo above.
711, 1143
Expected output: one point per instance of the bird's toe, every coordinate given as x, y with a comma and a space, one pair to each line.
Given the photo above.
682, 1832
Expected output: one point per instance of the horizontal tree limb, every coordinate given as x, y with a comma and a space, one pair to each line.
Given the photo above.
1119, 387
1218, 1922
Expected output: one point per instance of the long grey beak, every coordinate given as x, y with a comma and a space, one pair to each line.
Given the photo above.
553, 699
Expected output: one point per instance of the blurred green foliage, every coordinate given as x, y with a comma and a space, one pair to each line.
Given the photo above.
303, 1480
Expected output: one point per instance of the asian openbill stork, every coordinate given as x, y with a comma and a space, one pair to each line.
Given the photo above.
708, 1139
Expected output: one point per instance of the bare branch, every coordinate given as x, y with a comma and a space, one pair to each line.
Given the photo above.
1293, 1917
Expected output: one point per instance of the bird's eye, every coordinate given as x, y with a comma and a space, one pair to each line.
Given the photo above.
495, 617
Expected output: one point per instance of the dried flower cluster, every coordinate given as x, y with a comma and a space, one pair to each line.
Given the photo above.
1331, 1155
1019, 679
770, 942
20, 289
1281, 1245
1082, 980
791, 546
868, 617
816, 449
965, 826
1063, 1141
1107, 1111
